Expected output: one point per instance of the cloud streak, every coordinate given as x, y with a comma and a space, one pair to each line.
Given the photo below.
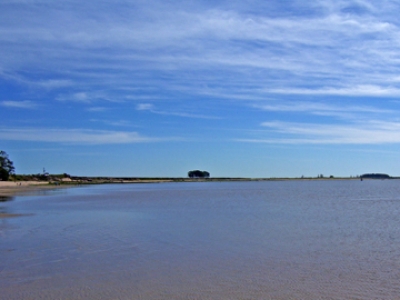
322, 72
356, 91
343, 111
151, 108
347, 49
371, 133
26, 104
75, 136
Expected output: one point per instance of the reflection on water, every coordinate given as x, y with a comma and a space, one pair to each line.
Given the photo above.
6, 198
243, 240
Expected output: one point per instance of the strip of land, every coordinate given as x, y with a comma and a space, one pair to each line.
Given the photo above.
29, 184
13, 188
23, 187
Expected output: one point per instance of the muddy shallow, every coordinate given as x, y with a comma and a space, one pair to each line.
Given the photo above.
243, 240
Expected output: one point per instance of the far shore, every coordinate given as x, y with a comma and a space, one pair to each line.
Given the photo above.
14, 188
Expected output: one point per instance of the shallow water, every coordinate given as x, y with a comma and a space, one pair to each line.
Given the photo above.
237, 240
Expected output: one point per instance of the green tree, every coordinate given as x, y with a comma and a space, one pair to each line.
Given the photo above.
6, 166
198, 174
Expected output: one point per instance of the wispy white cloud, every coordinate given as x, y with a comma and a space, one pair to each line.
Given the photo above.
347, 48
361, 90
119, 123
152, 50
145, 106
151, 108
75, 136
320, 70
308, 106
54, 83
344, 111
82, 97
76, 97
26, 104
97, 109
373, 132
85, 97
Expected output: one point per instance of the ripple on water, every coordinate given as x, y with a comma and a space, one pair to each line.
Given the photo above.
255, 240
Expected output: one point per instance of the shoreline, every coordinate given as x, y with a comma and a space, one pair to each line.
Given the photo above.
11, 189
20, 188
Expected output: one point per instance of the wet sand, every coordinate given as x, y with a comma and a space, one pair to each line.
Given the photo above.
13, 188
9, 189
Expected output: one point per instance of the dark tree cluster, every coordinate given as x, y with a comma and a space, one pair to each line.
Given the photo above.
198, 174
375, 176
6, 166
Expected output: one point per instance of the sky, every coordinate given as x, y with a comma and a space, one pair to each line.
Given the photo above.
237, 88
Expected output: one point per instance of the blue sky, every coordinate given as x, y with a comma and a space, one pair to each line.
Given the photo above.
237, 88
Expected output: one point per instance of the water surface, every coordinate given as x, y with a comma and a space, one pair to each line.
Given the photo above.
227, 240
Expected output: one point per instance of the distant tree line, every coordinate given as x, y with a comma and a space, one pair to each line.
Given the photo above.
198, 174
375, 176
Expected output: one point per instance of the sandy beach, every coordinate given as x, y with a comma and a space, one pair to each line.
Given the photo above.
8, 189
12, 188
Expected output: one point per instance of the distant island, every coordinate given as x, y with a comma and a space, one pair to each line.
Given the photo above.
375, 176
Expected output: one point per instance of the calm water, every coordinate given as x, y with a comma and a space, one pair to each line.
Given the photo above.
243, 240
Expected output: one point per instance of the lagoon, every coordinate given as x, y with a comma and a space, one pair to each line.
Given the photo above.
327, 239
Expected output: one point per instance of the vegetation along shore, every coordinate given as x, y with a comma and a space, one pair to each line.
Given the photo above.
14, 184
23, 184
